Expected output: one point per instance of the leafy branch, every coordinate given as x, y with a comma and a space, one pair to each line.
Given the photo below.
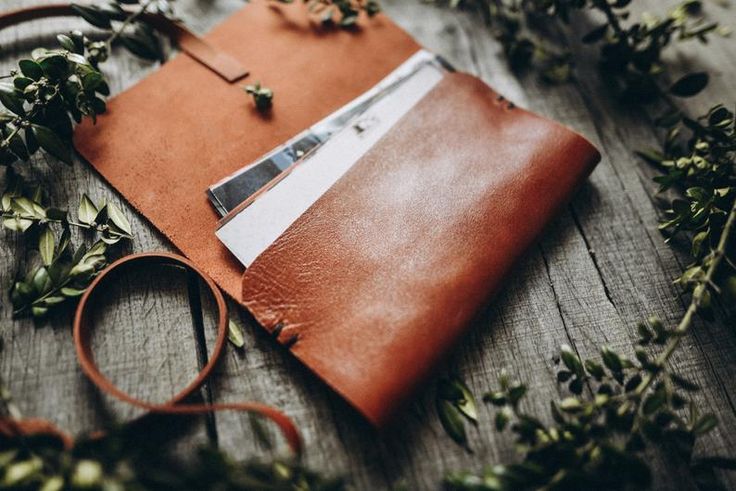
598, 439
342, 12
43, 98
64, 273
119, 460
630, 53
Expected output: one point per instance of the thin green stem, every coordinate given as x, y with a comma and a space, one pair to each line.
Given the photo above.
98, 228
43, 297
687, 320
128, 20
6, 141
21, 121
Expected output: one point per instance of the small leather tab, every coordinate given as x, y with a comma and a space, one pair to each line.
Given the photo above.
197, 48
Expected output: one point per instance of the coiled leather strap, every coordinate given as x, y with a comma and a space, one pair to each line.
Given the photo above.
177, 405
216, 60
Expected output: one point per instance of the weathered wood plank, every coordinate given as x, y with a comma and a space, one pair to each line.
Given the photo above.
625, 273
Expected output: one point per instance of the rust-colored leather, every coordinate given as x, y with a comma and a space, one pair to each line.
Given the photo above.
382, 275
166, 139
11, 428
177, 404
219, 62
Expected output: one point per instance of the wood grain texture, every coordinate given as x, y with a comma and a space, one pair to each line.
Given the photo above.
601, 267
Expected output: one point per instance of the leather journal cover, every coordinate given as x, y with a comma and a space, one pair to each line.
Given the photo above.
382, 274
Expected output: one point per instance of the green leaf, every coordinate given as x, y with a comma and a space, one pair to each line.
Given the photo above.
31, 69
502, 419
41, 281
611, 360
118, 218
705, 424
142, 42
654, 401
684, 383
17, 224
54, 66
20, 473
452, 421
26, 208
645, 335
91, 81
87, 210
71, 292
595, 35
92, 14
21, 293
571, 360
235, 334
516, 392
689, 85
10, 99
39, 312
570, 405
633, 383
52, 143
495, 398
652, 156
595, 369
466, 404
66, 42
564, 376
576, 386
46, 245
78, 59
53, 300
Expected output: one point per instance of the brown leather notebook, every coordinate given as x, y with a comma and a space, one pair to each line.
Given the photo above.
382, 274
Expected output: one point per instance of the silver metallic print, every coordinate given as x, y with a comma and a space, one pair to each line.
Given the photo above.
236, 188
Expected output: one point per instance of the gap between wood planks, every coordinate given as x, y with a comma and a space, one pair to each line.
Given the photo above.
195, 308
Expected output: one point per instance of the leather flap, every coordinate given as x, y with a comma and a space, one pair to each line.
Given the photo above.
379, 278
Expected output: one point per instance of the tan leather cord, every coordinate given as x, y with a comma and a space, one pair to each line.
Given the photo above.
176, 405
82, 342
219, 62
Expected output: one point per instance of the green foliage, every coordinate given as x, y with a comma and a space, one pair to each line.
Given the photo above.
42, 98
616, 409
117, 462
46, 93
698, 159
344, 13
235, 334
630, 52
262, 96
455, 404
122, 18
64, 272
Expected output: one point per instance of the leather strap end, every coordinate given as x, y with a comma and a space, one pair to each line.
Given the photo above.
198, 48
221, 63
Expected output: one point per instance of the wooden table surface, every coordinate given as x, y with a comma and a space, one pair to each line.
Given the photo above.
601, 267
